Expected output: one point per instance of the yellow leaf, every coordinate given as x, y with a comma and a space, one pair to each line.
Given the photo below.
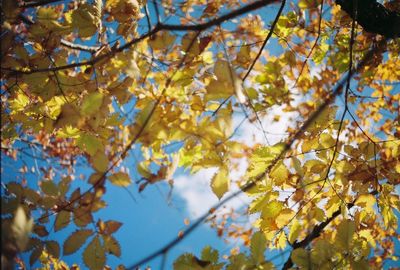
284, 217
281, 240
120, 179
220, 182
295, 230
366, 201
161, 40
279, 174
368, 236
272, 209
84, 20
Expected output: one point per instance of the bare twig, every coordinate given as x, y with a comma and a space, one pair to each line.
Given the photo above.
271, 31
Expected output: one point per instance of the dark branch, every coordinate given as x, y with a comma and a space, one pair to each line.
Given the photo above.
373, 17
271, 31
159, 27
37, 3
315, 233
236, 13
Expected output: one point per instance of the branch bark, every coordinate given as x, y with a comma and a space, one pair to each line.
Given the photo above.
37, 3
315, 233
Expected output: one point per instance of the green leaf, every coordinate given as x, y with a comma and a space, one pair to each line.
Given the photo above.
209, 254
239, 261
92, 103
100, 161
257, 246
94, 255
75, 241
62, 220
90, 143
186, 262
49, 188
345, 233
220, 182
120, 179
301, 258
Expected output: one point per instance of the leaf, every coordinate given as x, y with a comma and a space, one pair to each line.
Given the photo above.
100, 161
90, 143
75, 241
111, 245
35, 254
40, 230
62, 220
49, 188
272, 209
280, 174
209, 254
220, 182
53, 248
120, 179
112, 226
92, 103
185, 262
94, 255
281, 240
83, 19
345, 233
301, 258
295, 229
82, 216
161, 40
257, 246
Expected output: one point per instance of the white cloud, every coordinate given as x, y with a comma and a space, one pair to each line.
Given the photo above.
195, 189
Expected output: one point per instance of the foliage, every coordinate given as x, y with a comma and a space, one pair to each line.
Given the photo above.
90, 81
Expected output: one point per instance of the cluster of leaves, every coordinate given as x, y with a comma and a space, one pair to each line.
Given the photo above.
86, 82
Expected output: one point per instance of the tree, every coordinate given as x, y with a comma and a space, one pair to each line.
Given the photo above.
88, 82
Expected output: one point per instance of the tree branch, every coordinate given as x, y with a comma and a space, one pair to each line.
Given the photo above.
37, 3
271, 31
315, 233
159, 27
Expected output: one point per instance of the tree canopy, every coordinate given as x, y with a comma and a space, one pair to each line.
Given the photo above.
86, 85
